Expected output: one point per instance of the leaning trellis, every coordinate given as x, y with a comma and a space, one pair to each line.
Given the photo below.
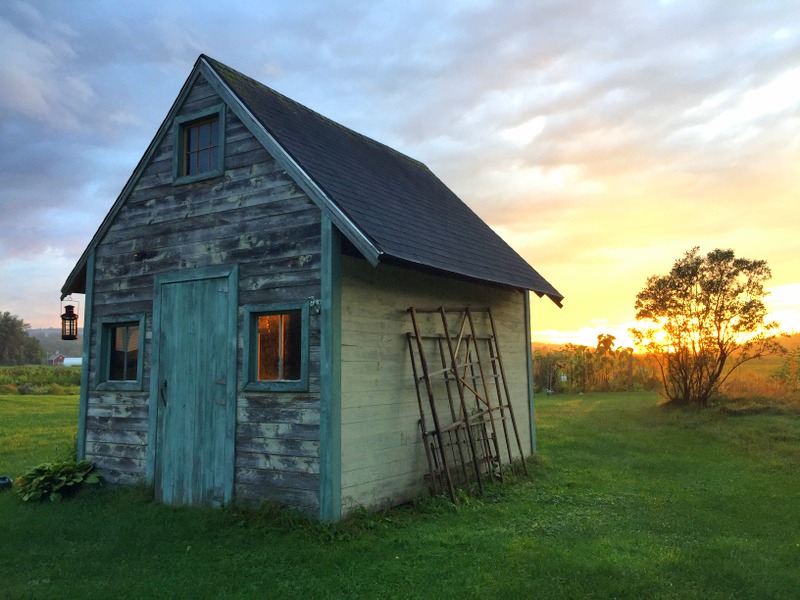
466, 414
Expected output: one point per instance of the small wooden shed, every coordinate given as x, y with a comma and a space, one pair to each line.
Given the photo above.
246, 309
56, 358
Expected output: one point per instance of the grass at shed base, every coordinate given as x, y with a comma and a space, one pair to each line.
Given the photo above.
627, 499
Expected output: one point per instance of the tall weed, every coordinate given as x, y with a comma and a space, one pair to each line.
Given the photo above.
754, 392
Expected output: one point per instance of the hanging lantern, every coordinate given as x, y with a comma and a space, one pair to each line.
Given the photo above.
69, 323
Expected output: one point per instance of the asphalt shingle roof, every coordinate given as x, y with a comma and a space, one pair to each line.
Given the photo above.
395, 201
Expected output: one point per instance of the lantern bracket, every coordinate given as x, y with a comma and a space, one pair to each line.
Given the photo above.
314, 304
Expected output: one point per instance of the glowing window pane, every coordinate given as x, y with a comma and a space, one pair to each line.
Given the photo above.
279, 347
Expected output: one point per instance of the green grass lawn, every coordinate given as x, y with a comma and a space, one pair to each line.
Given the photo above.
626, 500
35, 429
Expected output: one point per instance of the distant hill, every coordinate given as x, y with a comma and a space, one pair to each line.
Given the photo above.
51, 342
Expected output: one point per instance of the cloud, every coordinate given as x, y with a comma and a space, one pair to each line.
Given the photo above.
33, 77
600, 139
34, 295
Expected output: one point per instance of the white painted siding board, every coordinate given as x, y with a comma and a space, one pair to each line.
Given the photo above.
383, 460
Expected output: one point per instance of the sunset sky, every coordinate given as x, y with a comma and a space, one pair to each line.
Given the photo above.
601, 139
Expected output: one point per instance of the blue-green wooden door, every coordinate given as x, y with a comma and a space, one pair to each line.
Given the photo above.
193, 461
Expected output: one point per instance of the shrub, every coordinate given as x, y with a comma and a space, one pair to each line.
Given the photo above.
24, 389
27, 389
56, 480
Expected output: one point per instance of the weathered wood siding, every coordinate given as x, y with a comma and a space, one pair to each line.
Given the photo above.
383, 461
254, 216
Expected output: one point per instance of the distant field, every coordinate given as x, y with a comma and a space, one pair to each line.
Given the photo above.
627, 499
790, 342
754, 380
40, 380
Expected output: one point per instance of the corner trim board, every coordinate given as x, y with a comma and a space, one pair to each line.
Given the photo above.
83, 406
330, 429
529, 351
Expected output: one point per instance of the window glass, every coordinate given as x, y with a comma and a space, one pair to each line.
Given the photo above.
123, 352
204, 131
279, 346
203, 160
200, 146
214, 133
191, 139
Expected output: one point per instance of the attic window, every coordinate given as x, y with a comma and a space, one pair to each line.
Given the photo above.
199, 145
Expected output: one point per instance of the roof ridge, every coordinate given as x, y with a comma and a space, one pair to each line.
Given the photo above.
216, 65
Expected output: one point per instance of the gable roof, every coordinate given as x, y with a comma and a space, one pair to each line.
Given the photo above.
405, 211
389, 206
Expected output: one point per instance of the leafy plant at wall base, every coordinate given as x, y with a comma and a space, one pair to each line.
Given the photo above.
56, 480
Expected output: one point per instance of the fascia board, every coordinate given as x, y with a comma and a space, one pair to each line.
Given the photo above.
163, 130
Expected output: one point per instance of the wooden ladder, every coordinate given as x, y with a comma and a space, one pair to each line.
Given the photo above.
463, 397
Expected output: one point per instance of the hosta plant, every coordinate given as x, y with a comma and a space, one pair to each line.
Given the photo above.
56, 480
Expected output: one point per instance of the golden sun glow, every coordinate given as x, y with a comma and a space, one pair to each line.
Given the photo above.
783, 303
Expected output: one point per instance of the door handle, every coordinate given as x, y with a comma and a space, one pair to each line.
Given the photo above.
162, 392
